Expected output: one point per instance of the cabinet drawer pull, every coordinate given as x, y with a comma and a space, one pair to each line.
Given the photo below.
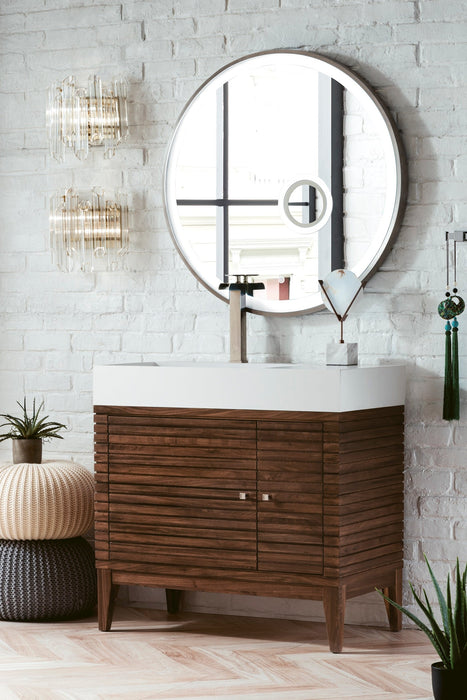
243, 496
266, 497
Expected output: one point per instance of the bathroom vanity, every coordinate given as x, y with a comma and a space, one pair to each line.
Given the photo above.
269, 480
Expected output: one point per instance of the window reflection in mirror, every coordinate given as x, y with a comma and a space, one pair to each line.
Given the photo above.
267, 149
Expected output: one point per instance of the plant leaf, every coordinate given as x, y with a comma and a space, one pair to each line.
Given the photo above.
30, 426
454, 650
441, 600
437, 631
461, 608
421, 625
450, 644
438, 634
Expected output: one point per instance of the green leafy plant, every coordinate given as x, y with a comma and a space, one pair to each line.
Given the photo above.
450, 637
30, 426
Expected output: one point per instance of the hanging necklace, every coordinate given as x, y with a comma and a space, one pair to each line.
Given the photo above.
449, 309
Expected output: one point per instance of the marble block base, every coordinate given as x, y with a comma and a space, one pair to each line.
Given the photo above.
342, 354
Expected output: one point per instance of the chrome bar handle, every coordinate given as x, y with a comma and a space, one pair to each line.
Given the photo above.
243, 496
266, 497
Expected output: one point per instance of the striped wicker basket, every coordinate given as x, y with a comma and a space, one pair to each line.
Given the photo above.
46, 580
52, 500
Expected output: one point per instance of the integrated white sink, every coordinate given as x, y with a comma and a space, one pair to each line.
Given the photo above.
281, 387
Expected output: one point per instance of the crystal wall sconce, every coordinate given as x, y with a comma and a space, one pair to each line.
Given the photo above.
88, 233
80, 118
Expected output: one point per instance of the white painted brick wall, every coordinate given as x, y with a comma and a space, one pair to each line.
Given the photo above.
55, 327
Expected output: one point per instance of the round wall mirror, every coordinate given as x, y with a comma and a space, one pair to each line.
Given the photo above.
284, 165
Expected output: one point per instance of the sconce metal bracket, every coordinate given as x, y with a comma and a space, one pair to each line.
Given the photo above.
457, 236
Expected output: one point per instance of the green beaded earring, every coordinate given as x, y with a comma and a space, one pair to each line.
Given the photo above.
449, 309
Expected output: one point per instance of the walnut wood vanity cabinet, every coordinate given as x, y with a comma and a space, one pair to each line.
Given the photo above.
270, 503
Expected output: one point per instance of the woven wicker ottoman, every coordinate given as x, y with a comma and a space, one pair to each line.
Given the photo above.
46, 579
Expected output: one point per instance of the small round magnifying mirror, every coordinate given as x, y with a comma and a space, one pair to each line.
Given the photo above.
307, 204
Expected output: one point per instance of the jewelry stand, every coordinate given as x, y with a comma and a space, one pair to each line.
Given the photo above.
341, 353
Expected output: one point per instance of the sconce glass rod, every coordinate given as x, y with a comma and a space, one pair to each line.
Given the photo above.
80, 118
88, 233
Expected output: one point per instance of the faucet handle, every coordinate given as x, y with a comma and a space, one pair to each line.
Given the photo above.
254, 285
251, 286
243, 286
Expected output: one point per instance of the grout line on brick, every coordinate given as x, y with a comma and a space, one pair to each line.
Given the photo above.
416, 10
418, 54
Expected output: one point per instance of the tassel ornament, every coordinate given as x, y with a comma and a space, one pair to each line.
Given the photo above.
449, 309
447, 400
455, 405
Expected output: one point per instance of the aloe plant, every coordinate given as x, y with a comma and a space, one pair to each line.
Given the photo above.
30, 426
450, 637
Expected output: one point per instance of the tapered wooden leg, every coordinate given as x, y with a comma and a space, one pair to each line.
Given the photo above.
394, 592
334, 610
106, 594
173, 598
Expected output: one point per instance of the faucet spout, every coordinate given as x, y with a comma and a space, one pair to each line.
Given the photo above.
237, 326
237, 301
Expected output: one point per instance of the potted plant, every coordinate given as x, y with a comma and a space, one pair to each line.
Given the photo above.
27, 432
449, 675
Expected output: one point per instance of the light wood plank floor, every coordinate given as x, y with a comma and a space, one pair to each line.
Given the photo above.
149, 655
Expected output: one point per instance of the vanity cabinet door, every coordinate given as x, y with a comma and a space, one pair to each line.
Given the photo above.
290, 497
182, 492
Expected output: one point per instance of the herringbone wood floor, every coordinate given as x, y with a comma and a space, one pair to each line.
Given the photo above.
149, 655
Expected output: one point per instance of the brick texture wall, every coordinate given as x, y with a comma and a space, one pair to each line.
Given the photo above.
55, 327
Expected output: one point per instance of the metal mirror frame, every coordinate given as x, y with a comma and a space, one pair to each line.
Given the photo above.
348, 78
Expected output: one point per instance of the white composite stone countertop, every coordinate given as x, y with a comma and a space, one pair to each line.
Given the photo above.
281, 387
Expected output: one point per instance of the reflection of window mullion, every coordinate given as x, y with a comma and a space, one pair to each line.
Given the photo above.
222, 183
245, 203
310, 211
330, 169
230, 202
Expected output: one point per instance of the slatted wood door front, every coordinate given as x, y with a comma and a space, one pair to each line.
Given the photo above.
181, 492
290, 497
